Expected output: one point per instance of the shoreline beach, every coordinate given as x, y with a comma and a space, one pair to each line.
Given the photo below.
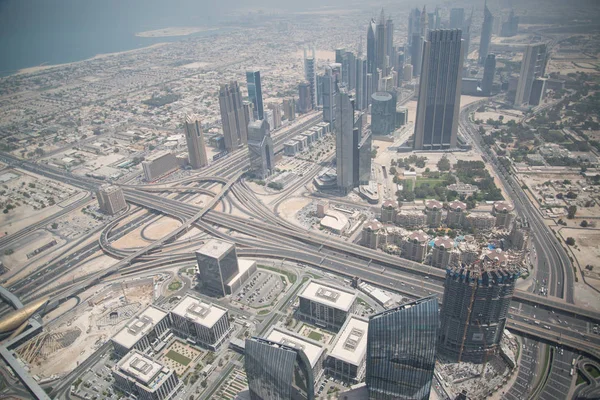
174, 31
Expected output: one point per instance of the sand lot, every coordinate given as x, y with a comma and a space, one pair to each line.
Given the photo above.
587, 245
161, 227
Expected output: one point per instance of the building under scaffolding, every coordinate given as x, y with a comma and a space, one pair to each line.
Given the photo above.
475, 307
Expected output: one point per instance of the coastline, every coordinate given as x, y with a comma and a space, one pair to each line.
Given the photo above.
39, 68
174, 31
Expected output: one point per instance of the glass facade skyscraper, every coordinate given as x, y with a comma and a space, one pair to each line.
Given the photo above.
436, 125
217, 264
401, 348
255, 93
277, 372
486, 34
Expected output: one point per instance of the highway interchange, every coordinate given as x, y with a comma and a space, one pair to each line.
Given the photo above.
259, 234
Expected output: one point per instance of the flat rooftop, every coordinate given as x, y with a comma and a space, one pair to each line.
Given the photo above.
328, 295
215, 248
139, 326
312, 351
198, 311
139, 366
157, 155
351, 342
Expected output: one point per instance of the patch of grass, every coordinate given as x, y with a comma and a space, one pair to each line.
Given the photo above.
315, 336
175, 285
180, 358
592, 370
291, 277
263, 312
407, 184
433, 182
580, 379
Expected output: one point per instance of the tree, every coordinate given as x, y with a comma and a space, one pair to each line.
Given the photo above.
584, 224
570, 241
54, 225
8, 252
444, 164
571, 212
392, 170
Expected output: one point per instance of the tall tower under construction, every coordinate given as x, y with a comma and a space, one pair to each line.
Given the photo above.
474, 311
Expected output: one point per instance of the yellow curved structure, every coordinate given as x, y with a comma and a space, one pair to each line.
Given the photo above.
15, 319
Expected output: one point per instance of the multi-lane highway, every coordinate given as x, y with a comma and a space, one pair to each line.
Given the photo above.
553, 262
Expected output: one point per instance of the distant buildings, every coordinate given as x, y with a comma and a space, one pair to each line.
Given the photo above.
533, 67
158, 165
401, 348
141, 376
195, 142
457, 18
436, 123
111, 199
511, 26
304, 100
289, 109
261, 148
474, 311
255, 93
233, 117
489, 70
310, 74
486, 34
277, 371
276, 114
326, 305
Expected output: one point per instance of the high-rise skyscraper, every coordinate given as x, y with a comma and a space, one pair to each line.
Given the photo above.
466, 36
304, 100
371, 47
414, 25
255, 93
380, 43
289, 109
277, 371
457, 18
475, 307
489, 69
195, 141
533, 66
260, 147
383, 113
436, 124
233, 118
275, 108
486, 34
389, 42
310, 74
329, 89
361, 84
345, 142
401, 347
350, 66
217, 265
511, 26
111, 199
348, 140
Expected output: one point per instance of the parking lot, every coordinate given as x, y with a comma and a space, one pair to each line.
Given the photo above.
260, 290
96, 383
560, 377
522, 386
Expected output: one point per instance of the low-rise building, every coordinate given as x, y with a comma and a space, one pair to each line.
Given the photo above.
143, 331
370, 234
326, 305
315, 352
433, 210
415, 246
146, 379
204, 323
480, 221
411, 218
346, 361
444, 253
456, 214
158, 165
